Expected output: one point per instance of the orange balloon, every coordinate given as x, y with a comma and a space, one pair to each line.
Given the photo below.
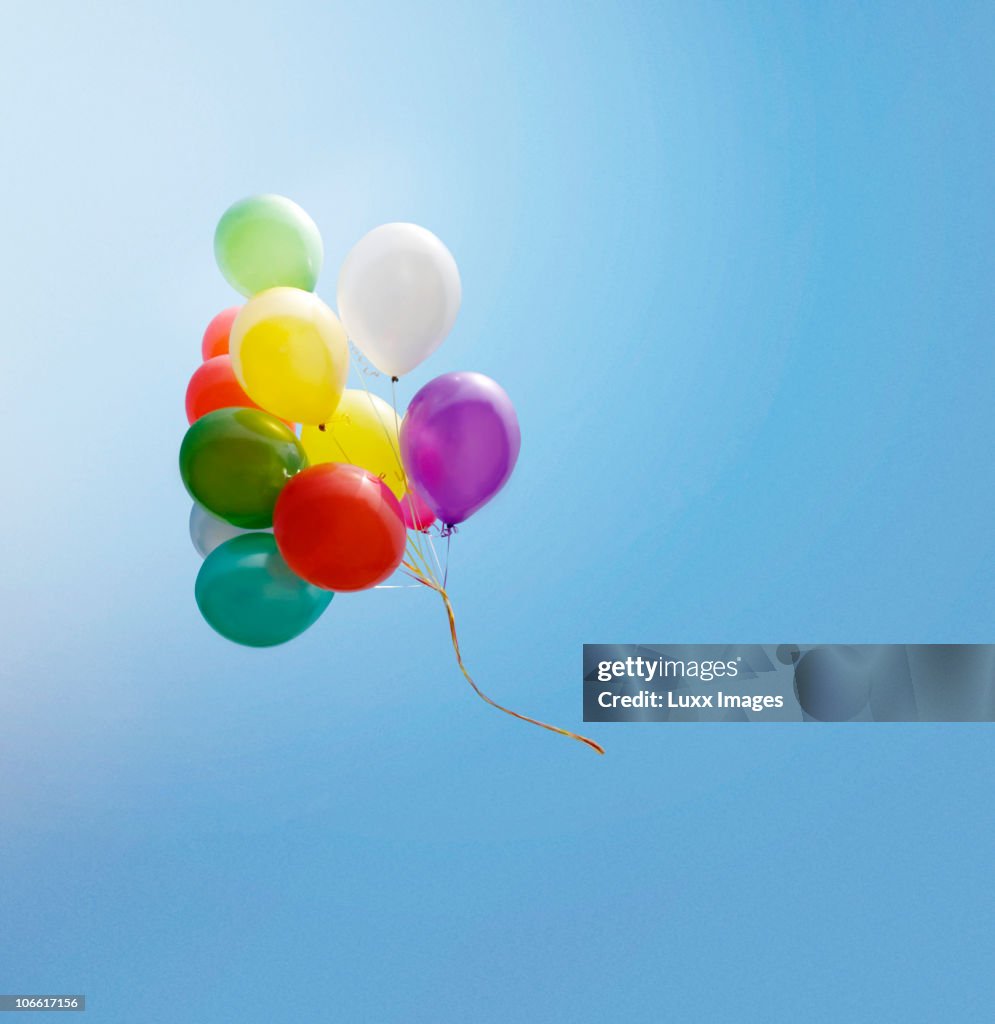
214, 386
215, 341
339, 527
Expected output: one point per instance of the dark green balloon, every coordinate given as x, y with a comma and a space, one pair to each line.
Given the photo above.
235, 462
248, 594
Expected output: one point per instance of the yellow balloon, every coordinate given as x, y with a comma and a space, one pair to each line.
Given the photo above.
290, 354
363, 431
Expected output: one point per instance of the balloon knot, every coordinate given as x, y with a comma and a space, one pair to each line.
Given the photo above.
448, 529
395, 379
321, 427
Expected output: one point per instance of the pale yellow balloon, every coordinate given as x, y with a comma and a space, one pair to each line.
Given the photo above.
290, 354
363, 431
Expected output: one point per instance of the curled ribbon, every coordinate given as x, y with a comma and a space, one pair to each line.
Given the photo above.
432, 585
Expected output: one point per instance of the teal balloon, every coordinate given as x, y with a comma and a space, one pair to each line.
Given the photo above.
235, 462
268, 242
248, 594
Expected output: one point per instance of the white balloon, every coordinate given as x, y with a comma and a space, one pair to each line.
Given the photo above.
208, 532
399, 293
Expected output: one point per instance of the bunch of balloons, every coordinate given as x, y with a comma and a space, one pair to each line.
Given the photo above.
302, 486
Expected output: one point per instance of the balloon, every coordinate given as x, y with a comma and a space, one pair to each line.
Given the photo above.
247, 593
208, 532
362, 431
829, 684
235, 462
290, 354
398, 295
214, 386
417, 515
266, 242
339, 527
215, 340
459, 443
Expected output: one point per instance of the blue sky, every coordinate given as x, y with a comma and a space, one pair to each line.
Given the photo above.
733, 264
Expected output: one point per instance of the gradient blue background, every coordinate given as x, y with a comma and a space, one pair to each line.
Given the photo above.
733, 264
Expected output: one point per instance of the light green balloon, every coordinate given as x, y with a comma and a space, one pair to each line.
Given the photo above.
247, 593
268, 241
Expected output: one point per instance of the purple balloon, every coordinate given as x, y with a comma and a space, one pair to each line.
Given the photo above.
459, 443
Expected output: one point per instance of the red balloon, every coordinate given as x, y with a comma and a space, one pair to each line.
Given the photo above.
417, 515
214, 386
215, 341
339, 527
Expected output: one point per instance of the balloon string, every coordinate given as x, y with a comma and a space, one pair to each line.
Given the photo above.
441, 591
420, 568
412, 543
435, 558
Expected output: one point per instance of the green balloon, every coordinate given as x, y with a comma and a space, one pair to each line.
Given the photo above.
235, 462
266, 242
248, 594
